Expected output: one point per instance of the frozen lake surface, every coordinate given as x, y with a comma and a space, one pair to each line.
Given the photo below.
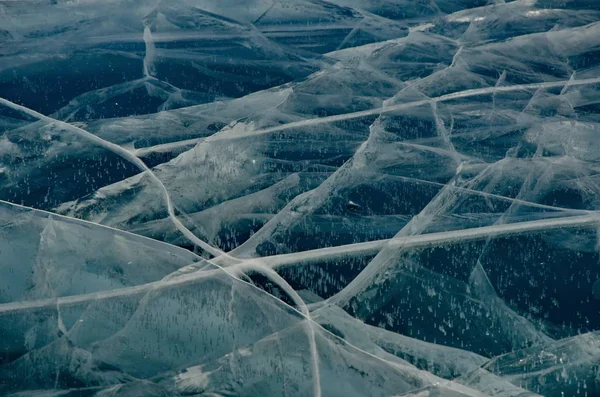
296, 198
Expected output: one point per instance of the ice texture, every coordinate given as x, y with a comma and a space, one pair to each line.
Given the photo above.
239, 198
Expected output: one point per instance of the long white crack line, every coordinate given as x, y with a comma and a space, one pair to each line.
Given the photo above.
318, 255
127, 155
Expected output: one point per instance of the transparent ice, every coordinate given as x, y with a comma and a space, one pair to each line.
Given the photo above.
300, 198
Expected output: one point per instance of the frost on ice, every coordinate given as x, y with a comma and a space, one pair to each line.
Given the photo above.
300, 198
